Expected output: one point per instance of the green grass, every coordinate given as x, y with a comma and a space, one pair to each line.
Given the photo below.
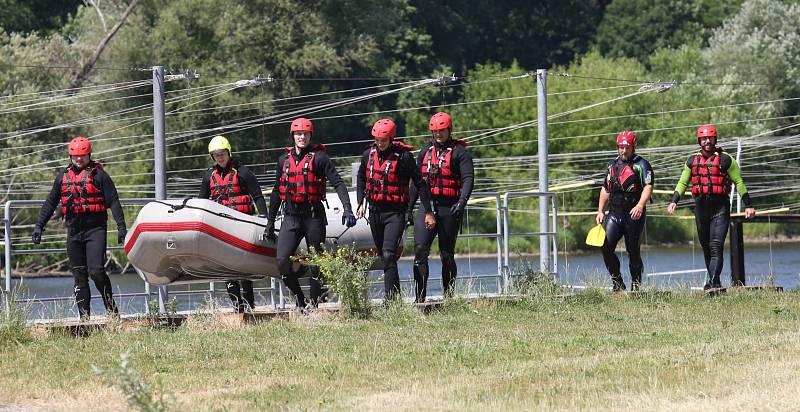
656, 351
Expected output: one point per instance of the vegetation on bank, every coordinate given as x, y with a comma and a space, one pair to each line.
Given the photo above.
594, 351
734, 63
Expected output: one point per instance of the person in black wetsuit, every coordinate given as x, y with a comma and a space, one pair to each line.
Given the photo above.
82, 192
300, 184
231, 184
626, 190
387, 167
447, 167
710, 173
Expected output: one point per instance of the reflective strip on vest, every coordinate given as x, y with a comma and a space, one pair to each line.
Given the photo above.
228, 192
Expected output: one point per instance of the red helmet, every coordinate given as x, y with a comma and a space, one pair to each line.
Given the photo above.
79, 146
626, 138
384, 128
440, 121
706, 130
301, 124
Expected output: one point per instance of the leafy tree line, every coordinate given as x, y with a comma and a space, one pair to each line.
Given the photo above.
719, 53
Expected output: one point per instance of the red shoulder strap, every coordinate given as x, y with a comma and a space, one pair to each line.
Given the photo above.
403, 146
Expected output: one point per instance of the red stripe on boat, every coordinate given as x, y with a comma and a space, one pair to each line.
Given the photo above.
198, 227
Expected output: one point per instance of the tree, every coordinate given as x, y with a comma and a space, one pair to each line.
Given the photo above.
535, 34
637, 28
43, 16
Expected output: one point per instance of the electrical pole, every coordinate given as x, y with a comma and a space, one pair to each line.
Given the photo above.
544, 219
160, 157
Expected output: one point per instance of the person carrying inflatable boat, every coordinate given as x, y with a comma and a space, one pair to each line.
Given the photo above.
302, 174
231, 184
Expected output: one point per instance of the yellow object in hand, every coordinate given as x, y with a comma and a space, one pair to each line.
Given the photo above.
596, 236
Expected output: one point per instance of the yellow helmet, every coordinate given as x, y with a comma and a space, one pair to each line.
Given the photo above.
219, 143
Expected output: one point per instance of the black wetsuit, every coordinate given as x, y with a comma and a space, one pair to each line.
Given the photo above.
447, 224
712, 213
387, 219
304, 220
86, 240
624, 194
240, 291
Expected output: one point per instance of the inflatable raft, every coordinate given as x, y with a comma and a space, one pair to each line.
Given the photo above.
198, 240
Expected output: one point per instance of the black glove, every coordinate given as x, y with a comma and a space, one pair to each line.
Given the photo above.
121, 233
36, 238
410, 218
458, 209
349, 219
269, 232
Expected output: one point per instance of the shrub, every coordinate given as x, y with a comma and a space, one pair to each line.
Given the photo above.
345, 270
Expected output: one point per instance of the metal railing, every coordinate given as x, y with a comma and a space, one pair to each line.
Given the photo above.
501, 235
549, 263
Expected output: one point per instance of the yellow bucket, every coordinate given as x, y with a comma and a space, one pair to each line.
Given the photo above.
596, 236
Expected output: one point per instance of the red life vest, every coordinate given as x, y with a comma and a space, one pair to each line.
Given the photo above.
624, 185
228, 192
384, 184
79, 193
438, 171
707, 177
300, 183
623, 178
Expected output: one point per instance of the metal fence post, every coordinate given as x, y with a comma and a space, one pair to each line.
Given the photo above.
8, 217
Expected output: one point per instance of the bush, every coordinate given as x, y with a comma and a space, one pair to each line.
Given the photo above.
345, 270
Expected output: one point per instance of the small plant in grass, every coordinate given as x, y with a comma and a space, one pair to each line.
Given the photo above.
592, 295
395, 312
153, 313
140, 396
14, 329
534, 285
345, 270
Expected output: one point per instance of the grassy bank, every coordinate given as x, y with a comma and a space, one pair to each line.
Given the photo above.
595, 352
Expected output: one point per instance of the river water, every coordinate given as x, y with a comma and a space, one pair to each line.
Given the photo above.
778, 264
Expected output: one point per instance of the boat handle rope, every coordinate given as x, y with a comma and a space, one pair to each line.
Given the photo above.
222, 215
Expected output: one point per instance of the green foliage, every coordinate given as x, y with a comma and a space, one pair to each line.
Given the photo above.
140, 396
761, 45
468, 32
637, 28
537, 288
43, 16
345, 270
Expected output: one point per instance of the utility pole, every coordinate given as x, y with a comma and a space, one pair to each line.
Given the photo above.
544, 219
160, 157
